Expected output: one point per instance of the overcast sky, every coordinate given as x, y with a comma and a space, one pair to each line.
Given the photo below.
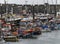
30, 1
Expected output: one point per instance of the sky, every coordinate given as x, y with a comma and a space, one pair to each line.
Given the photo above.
30, 1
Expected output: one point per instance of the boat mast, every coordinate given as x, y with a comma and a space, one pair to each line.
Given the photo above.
6, 6
33, 11
44, 6
37, 7
26, 5
47, 6
56, 9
